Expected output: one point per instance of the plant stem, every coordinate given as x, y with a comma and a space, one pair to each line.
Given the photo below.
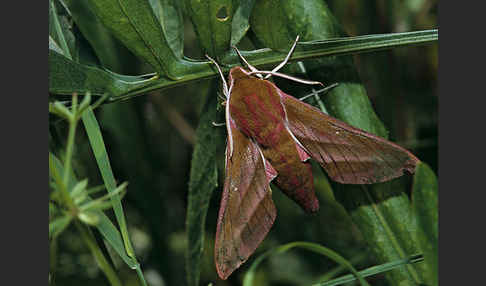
304, 50
140, 275
104, 265
73, 121
62, 187
69, 152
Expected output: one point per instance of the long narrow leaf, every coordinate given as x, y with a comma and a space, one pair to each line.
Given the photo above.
169, 14
372, 271
55, 30
99, 150
241, 24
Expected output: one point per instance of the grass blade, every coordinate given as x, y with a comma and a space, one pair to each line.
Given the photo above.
314, 247
372, 271
96, 140
99, 150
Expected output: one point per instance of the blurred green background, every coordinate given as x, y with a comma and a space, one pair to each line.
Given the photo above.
150, 142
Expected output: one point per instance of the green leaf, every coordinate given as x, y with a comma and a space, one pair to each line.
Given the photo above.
105, 46
104, 226
212, 20
382, 213
58, 225
111, 234
425, 205
169, 14
203, 180
89, 217
59, 32
135, 25
79, 191
102, 202
61, 110
58, 168
55, 47
314, 247
241, 21
98, 146
68, 77
277, 23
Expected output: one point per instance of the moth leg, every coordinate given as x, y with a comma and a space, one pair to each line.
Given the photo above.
225, 85
218, 124
252, 68
221, 97
315, 92
286, 58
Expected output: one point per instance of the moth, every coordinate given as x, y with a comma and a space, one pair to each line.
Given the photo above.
271, 137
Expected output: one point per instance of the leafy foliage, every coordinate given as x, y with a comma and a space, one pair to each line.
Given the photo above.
117, 50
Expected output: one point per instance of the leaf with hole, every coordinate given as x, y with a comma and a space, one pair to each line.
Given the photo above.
212, 22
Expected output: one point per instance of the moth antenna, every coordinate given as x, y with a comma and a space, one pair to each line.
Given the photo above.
218, 124
225, 85
286, 58
296, 79
252, 68
319, 91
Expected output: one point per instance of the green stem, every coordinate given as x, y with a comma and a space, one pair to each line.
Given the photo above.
52, 259
69, 152
73, 121
304, 50
88, 238
140, 275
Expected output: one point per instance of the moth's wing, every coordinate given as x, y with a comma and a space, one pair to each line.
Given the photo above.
349, 155
294, 172
257, 110
247, 211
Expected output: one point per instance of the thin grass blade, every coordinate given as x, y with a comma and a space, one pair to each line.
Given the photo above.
99, 150
372, 271
314, 247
